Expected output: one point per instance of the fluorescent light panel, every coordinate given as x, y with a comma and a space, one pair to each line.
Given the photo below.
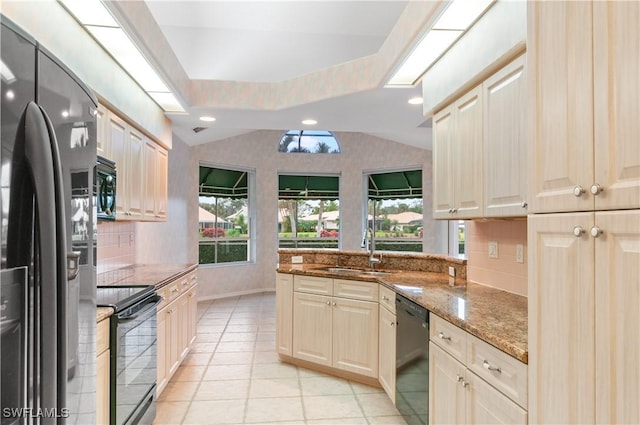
453, 22
98, 21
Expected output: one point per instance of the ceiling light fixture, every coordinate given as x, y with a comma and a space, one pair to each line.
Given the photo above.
450, 26
309, 122
207, 118
98, 21
416, 101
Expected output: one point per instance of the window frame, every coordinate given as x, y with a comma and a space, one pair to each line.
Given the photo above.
251, 216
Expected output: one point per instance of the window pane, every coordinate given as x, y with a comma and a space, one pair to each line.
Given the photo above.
309, 141
398, 224
308, 223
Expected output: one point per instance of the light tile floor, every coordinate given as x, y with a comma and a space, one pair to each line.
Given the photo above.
233, 376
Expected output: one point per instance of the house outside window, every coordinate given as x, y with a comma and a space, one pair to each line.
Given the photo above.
225, 216
308, 211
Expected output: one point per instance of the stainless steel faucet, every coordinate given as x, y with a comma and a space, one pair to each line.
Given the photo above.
369, 245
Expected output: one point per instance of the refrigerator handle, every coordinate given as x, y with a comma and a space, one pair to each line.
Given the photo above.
36, 174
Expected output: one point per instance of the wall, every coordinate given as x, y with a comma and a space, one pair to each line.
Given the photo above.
258, 150
504, 272
116, 245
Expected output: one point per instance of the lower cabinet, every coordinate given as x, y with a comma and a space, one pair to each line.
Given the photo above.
387, 352
176, 326
471, 382
339, 332
284, 314
102, 368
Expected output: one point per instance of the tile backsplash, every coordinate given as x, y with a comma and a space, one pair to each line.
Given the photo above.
116, 245
503, 272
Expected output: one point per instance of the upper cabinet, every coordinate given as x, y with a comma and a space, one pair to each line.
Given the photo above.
479, 149
504, 126
141, 166
584, 96
457, 158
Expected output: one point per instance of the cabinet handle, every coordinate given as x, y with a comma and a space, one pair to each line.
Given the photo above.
488, 366
328, 302
385, 298
185, 283
162, 298
175, 289
578, 191
193, 278
454, 210
465, 384
334, 303
578, 231
596, 189
595, 231
443, 336
459, 378
524, 204
392, 324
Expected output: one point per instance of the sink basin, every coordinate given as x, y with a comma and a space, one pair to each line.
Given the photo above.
354, 271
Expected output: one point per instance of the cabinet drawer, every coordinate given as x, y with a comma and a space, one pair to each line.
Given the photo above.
168, 293
365, 291
313, 285
449, 337
499, 369
102, 336
187, 281
387, 298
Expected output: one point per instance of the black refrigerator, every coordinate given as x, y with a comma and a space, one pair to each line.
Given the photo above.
48, 267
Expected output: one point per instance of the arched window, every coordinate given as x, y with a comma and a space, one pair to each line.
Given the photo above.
309, 141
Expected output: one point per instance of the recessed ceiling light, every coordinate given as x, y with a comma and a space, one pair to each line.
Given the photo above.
416, 101
207, 118
309, 122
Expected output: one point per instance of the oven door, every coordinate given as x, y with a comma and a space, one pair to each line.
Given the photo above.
134, 361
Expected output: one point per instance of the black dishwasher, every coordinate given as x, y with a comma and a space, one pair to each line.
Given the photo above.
412, 361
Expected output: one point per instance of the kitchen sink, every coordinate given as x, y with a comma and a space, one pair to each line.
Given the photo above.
354, 271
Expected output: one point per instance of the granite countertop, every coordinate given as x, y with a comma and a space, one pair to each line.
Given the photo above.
496, 317
145, 274
103, 313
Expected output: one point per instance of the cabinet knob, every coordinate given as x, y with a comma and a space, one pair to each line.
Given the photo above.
596, 189
441, 335
454, 210
578, 190
524, 204
578, 231
465, 384
595, 231
334, 304
392, 324
459, 378
328, 302
175, 289
450, 210
488, 366
385, 298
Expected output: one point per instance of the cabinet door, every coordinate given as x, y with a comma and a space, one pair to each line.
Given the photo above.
355, 336
117, 131
150, 159
446, 393
102, 137
504, 112
183, 327
617, 103
163, 349
467, 155
193, 314
561, 319
486, 405
135, 174
312, 328
387, 353
162, 181
617, 317
443, 201
559, 58
102, 389
173, 338
284, 313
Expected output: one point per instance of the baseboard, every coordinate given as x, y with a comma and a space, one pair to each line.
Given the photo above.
235, 294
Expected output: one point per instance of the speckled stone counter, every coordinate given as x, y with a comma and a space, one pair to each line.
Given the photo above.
496, 317
145, 274
103, 313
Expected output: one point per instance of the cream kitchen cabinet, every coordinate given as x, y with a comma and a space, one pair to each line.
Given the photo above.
457, 154
336, 331
504, 146
584, 282
471, 382
284, 313
141, 165
387, 351
176, 325
584, 103
103, 376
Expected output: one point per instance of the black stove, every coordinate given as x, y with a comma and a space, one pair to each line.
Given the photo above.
122, 297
